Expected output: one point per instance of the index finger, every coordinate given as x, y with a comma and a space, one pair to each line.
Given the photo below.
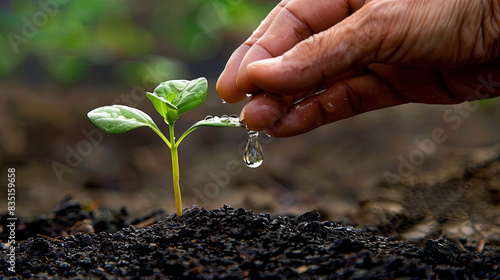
288, 24
226, 84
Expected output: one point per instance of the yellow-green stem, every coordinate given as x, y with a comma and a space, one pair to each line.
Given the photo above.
175, 172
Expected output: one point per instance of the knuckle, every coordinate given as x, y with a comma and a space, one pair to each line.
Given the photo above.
320, 113
478, 32
490, 28
311, 47
371, 28
353, 97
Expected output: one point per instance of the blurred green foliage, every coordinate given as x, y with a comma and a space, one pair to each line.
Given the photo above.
69, 38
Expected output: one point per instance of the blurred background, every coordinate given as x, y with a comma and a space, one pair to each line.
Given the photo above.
60, 59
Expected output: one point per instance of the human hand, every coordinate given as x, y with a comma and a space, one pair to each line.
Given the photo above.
365, 55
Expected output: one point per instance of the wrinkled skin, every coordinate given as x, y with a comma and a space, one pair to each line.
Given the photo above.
365, 55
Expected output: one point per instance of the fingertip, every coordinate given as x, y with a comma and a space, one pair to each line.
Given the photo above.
228, 90
262, 111
226, 84
244, 83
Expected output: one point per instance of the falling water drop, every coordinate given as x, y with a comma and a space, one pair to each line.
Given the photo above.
253, 155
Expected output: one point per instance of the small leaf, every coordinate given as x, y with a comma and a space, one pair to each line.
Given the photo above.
162, 105
119, 118
179, 96
193, 94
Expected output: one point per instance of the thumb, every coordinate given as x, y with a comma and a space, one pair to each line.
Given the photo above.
381, 31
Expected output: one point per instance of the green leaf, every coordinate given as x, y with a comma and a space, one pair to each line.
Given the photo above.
162, 105
179, 96
119, 118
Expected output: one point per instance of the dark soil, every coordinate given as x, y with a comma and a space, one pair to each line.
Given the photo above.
227, 243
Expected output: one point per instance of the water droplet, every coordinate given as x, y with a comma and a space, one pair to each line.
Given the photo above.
114, 115
253, 155
208, 118
223, 101
249, 95
233, 116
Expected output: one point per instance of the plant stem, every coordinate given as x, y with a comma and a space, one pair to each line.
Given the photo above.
175, 172
162, 137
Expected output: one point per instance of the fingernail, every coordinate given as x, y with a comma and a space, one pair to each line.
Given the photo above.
268, 62
270, 133
242, 115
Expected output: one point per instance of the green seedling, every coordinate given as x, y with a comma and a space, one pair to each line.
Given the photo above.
171, 99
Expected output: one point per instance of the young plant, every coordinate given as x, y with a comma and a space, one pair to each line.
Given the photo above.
171, 99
